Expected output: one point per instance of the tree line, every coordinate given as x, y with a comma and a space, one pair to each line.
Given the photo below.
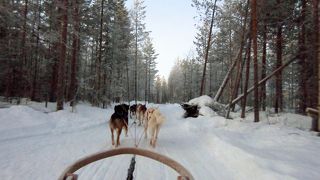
251, 40
99, 51
71, 50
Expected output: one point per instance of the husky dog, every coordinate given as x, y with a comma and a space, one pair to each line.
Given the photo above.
153, 121
141, 109
118, 121
133, 110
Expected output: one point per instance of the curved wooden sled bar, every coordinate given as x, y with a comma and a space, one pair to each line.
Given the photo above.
68, 173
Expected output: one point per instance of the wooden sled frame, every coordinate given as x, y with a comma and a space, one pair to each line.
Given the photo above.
68, 173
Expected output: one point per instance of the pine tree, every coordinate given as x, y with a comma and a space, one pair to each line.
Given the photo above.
255, 58
303, 80
75, 52
137, 16
62, 58
150, 63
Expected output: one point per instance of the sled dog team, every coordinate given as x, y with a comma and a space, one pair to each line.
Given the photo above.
151, 119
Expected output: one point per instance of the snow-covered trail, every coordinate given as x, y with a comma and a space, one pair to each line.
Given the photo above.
36, 145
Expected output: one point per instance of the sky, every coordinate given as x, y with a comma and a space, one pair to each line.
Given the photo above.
171, 23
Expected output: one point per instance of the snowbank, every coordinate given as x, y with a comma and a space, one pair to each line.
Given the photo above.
20, 116
201, 101
204, 102
282, 119
207, 111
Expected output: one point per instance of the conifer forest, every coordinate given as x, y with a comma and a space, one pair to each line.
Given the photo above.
100, 51
201, 89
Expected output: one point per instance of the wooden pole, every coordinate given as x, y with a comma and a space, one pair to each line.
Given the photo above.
265, 79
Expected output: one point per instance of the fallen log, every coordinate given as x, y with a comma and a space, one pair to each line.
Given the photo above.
227, 77
265, 79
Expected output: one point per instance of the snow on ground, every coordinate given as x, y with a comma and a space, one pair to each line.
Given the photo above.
38, 143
